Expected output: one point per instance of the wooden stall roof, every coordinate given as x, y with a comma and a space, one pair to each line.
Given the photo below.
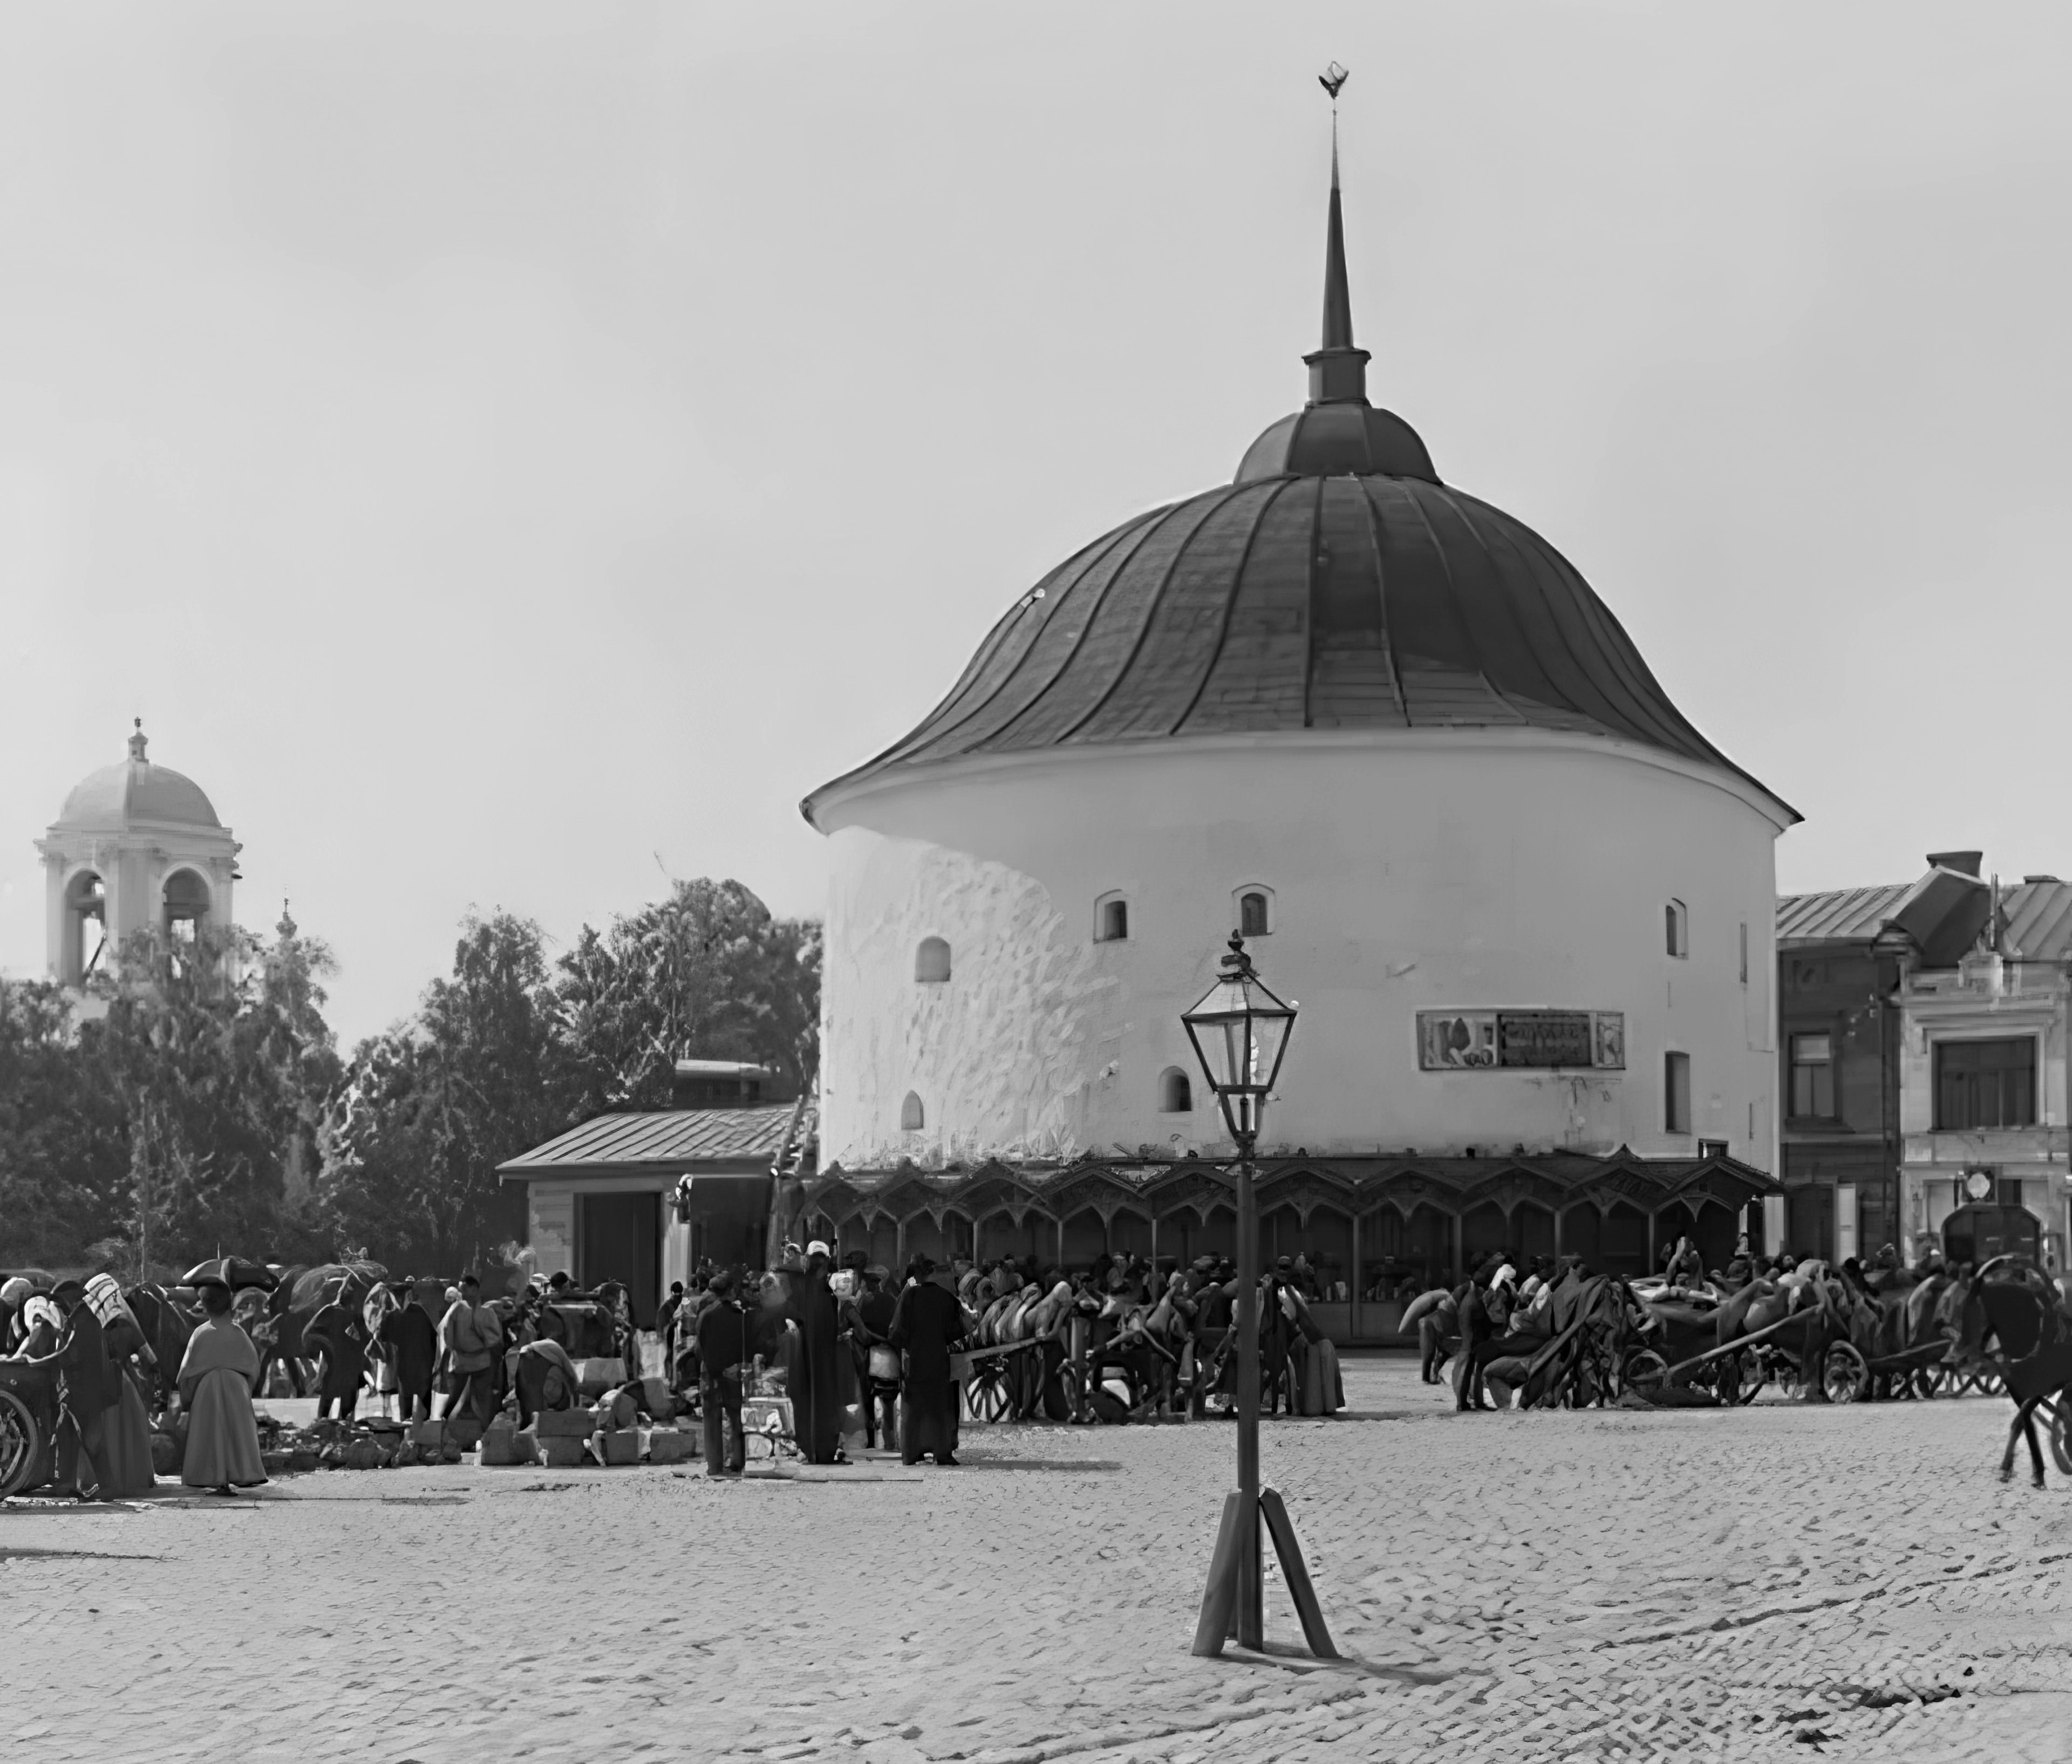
1162, 1186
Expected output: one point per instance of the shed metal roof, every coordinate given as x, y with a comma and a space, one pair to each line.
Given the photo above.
663, 1139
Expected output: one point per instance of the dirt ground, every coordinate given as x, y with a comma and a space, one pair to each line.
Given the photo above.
1775, 1582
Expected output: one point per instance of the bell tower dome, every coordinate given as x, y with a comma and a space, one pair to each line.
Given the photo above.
137, 847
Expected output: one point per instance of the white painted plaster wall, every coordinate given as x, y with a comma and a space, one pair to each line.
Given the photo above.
1420, 871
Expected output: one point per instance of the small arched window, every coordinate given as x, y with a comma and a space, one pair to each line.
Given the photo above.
911, 1119
1111, 919
931, 961
1176, 1095
1255, 913
1677, 927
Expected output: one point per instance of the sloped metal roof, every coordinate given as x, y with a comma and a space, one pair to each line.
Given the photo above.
1839, 914
2037, 917
665, 1139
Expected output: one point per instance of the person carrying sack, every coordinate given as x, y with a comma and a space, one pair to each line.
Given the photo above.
471, 1337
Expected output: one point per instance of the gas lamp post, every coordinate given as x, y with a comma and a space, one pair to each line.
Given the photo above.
1240, 1030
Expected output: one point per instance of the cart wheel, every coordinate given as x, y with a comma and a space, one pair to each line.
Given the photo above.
1844, 1375
21, 1444
986, 1398
1646, 1371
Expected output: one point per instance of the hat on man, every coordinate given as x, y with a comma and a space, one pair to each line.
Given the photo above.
15, 1292
818, 1247
206, 1274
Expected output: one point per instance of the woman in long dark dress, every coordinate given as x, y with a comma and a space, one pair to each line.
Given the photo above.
927, 1323
812, 1377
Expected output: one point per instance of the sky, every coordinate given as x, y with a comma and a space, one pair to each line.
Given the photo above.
509, 454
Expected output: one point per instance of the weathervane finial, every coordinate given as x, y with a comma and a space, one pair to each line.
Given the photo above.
1332, 79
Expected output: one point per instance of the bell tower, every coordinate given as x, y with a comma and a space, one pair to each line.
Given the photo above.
137, 847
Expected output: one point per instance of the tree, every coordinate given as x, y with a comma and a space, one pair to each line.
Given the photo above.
220, 1058
430, 1108
708, 972
65, 1156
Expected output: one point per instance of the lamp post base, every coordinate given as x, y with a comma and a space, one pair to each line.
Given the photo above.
1237, 1538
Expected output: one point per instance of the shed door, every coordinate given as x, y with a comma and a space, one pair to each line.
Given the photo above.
622, 1240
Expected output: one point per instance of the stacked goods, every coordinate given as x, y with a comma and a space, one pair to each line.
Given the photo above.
596, 1375
673, 1446
499, 1443
616, 1445
557, 1437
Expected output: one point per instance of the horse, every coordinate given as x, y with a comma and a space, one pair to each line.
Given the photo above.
167, 1324
301, 1293
2011, 1305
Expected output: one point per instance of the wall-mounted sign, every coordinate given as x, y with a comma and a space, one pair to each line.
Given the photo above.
1488, 1040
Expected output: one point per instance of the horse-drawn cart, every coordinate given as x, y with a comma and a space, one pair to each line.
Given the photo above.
28, 1423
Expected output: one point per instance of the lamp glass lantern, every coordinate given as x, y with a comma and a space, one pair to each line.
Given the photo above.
1240, 1030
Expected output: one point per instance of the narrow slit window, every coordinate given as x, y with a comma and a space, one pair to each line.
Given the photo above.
1676, 1093
1254, 913
1176, 1093
911, 1118
1677, 925
1112, 920
931, 961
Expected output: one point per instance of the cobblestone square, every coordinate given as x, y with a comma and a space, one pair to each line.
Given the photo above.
1770, 1582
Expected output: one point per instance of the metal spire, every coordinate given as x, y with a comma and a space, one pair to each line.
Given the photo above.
1337, 371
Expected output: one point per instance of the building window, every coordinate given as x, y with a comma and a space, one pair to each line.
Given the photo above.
931, 961
1744, 952
1677, 923
1813, 1077
1111, 919
1985, 1084
911, 1120
1676, 1093
1176, 1095
1255, 913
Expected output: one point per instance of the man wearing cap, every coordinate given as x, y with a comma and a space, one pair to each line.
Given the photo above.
723, 1355
875, 1309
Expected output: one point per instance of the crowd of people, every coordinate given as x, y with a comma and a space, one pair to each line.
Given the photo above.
859, 1352
855, 1351
106, 1375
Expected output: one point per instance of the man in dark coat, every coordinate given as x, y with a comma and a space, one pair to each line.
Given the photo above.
340, 1340
87, 1388
1476, 1328
926, 1323
875, 1309
812, 1372
724, 1350
411, 1340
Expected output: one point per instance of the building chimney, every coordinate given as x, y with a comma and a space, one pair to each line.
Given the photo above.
1967, 863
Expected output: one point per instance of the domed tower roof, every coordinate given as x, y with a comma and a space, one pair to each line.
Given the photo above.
1337, 583
120, 796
